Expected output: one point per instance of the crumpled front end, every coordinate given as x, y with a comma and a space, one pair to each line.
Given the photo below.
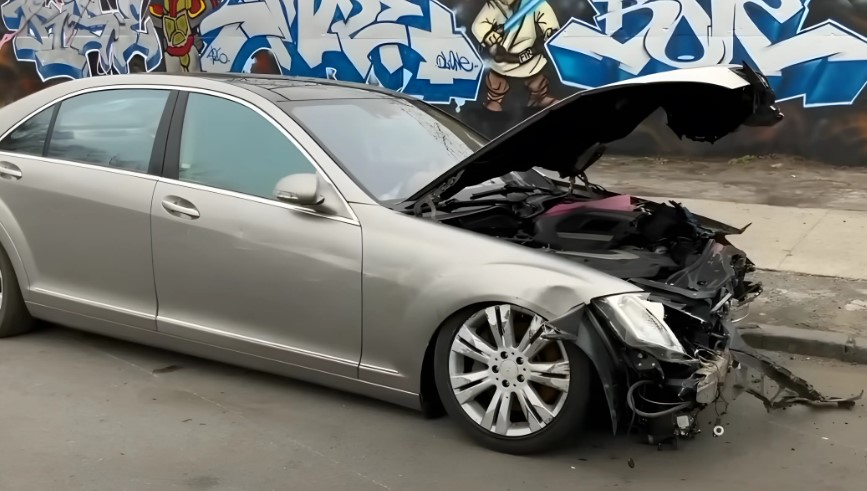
669, 352
675, 351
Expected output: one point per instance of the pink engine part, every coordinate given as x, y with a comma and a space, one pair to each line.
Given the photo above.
620, 202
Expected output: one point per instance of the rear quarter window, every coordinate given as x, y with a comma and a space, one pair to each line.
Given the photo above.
29, 137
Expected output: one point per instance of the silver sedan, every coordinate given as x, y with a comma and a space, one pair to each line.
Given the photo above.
361, 239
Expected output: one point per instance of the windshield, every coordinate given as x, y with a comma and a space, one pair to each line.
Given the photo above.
391, 147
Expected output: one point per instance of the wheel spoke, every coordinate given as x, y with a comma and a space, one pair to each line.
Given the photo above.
507, 326
536, 345
555, 375
561, 384
462, 349
555, 368
491, 411
504, 414
466, 395
536, 405
532, 419
497, 322
465, 379
535, 326
471, 345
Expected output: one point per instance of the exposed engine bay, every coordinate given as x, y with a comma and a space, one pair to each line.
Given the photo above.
695, 277
662, 247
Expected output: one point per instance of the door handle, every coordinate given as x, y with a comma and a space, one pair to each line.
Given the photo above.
180, 207
9, 170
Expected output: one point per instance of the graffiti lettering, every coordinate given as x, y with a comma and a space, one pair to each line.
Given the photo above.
61, 34
454, 61
393, 42
825, 64
216, 56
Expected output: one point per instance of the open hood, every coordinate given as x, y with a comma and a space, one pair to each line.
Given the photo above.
702, 104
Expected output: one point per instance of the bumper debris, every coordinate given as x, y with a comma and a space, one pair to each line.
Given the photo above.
790, 389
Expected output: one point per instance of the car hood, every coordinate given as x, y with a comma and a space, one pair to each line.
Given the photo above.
702, 104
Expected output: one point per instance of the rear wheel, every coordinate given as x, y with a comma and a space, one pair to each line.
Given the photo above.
14, 317
510, 389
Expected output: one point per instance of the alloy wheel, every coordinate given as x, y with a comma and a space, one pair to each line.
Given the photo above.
506, 377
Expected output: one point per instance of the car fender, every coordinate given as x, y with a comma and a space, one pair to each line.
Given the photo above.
547, 293
417, 274
582, 328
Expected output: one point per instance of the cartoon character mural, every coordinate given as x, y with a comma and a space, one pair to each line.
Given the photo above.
513, 33
178, 23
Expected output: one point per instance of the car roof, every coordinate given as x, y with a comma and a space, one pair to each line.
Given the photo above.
276, 88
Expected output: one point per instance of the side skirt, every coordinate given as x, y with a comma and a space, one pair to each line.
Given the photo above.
216, 353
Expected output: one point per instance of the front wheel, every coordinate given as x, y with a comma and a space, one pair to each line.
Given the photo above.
512, 390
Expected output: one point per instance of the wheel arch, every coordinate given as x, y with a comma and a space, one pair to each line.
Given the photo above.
12, 252
602, 364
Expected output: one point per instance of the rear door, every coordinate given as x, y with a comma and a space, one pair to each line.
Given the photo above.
78, 178
236, 268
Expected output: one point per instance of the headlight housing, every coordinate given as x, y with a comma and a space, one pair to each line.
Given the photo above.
640, 324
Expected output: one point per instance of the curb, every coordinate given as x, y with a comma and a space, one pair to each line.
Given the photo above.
807, 342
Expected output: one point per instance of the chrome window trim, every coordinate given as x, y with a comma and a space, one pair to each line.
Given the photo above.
353, 219
257, 341
113, 170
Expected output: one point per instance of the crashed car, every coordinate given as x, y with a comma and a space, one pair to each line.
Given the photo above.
361, 239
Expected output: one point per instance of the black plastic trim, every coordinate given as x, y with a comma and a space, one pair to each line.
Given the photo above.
160, 141
50, 130
171, 158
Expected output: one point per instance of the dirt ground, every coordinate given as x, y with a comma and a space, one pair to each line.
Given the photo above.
770, 180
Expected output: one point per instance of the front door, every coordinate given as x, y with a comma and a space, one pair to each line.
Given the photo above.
238, 269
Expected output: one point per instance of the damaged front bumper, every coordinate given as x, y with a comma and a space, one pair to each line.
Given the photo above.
662, 393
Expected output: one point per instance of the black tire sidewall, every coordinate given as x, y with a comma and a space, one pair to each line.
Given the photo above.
567, 423
14, 317
5, 272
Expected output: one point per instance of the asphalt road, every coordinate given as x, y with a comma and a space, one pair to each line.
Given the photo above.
80, 412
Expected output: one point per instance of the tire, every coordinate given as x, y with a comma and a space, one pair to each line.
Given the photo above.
534, 370
14, 317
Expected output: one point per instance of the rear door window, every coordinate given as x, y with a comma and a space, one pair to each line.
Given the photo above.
111, 128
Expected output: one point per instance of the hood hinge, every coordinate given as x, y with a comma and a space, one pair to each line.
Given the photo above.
434, 197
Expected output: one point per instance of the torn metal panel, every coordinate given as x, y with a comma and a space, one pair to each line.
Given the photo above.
577, 326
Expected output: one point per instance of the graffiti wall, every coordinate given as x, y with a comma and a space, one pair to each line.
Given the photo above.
490, 62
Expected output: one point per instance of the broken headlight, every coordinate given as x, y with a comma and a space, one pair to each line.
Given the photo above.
640, 324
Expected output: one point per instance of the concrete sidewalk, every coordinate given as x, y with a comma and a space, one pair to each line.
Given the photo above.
802, 240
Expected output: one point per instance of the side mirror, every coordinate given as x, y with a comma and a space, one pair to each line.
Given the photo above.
299, 189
